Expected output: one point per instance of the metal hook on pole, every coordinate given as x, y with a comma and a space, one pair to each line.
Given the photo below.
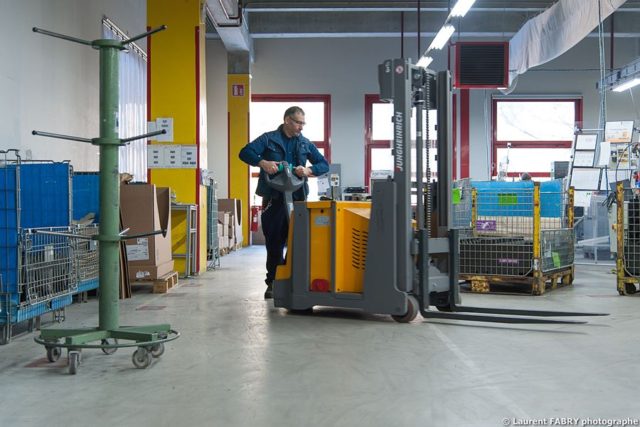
58, 136
143, 35
61, 36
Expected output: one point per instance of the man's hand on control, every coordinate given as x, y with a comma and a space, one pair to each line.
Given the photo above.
302, 171
268, 166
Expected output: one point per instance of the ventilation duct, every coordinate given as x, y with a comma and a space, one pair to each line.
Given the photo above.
554, 32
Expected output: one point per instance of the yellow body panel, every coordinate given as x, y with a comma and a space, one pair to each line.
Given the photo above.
320, 221
238, 105
351, 237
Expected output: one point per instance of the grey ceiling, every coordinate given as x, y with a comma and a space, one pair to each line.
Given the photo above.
316, 18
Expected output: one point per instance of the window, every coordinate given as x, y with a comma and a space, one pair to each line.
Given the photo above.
379, 134
530, 133
133, 104
266, 114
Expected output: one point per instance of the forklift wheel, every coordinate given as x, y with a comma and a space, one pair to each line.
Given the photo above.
412, 311
630, 288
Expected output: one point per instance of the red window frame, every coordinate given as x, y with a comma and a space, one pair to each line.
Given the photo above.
369, 143
297, 98
495, 144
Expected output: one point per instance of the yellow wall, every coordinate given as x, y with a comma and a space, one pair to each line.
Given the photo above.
238, 138
174, 56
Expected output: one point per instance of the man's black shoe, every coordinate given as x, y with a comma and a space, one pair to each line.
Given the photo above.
268, 294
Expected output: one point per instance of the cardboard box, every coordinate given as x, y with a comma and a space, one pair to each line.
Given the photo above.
234, 207
150, 272
220, 230
144, 209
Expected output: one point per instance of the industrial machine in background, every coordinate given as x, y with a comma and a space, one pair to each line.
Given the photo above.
373, 256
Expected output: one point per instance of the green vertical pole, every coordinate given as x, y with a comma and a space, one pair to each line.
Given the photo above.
109, 187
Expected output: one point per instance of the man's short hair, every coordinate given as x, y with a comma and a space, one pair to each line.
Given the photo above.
293, 110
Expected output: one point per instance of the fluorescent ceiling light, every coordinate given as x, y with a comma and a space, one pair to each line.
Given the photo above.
626, 85
442, 37
462, 7
424, 61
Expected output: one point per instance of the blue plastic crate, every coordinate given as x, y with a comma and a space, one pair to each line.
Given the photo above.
496, 198
86, 195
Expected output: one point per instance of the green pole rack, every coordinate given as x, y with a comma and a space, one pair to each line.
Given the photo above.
149, 339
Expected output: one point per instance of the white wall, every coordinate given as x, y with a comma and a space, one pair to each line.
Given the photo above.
347, 70
50, 84
217, 131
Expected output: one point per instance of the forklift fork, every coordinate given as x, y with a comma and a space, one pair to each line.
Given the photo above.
452, 311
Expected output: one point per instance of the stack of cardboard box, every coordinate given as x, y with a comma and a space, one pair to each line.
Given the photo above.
230, 223
145, 208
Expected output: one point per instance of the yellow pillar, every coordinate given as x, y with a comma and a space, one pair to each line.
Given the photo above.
176, 75
239, 97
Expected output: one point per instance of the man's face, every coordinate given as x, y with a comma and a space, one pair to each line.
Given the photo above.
293, 124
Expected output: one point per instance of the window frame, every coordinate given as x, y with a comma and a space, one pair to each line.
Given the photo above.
297, 98
495, 144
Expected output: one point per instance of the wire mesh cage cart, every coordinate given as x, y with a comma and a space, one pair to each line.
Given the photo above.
518, 234
628, 239
213, 244
35, 277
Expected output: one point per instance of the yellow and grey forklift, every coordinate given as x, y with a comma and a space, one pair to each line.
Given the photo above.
374, 255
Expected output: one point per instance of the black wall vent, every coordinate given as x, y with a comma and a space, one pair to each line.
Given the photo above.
482, 65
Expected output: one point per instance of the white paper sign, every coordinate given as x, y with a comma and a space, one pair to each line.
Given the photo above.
165, 123
139, 251
188, 156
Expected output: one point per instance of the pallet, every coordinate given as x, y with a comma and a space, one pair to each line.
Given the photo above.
162, 284
533, 285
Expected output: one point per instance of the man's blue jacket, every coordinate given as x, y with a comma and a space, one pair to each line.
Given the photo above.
271, 146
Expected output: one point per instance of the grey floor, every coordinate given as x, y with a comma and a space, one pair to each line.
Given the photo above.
241, 362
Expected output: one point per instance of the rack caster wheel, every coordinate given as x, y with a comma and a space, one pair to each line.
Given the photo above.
157, 350
412, 311
141, 358
109, 351
74, 362
53, 354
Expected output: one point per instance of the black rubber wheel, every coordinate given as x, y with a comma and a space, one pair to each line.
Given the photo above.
141, 358
157, 350
630, 288
109, 351
53, 354
412, 311
74, 362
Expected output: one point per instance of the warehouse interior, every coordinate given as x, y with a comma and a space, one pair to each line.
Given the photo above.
471, 257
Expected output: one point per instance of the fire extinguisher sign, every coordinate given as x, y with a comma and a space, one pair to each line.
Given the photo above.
237, 90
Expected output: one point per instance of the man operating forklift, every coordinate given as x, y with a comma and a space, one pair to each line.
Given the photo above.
269, 151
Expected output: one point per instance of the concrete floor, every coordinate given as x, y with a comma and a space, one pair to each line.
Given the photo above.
241, 362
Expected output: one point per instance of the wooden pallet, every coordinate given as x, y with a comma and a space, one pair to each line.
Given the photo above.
529, 284
162, 284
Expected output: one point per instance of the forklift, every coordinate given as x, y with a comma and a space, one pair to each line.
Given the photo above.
375, 256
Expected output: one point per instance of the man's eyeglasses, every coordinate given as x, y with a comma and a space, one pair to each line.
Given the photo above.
298, 122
